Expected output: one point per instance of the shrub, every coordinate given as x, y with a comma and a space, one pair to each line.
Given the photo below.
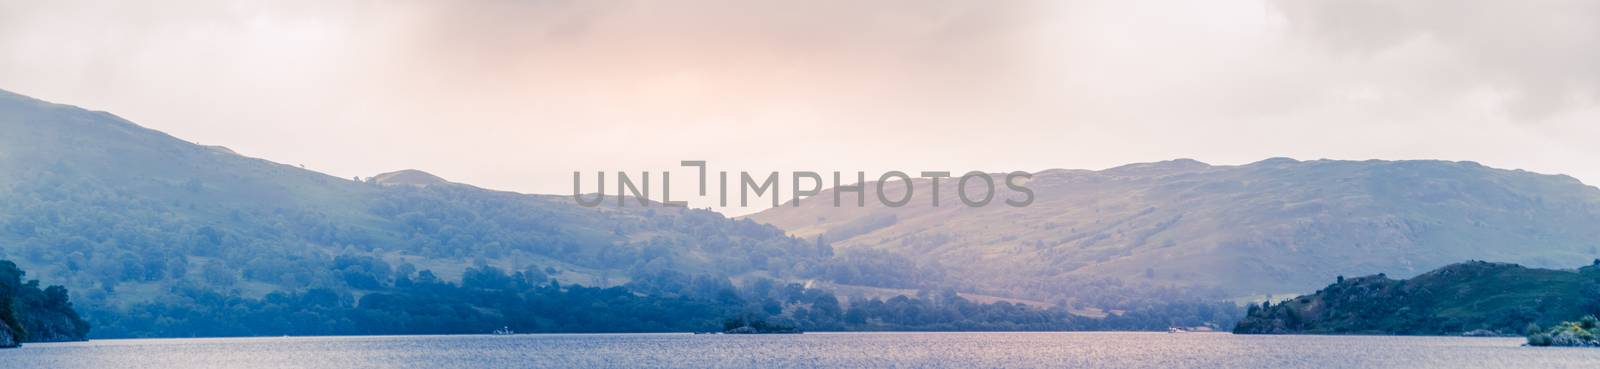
1539, 339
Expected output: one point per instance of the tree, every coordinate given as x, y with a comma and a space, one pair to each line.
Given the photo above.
218, 275
35, 314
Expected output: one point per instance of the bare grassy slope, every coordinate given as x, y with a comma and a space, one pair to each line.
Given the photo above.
1278, 226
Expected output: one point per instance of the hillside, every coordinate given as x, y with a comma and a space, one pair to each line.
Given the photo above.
153, 233
1497, 297
1275, 227
159, 237
409, 177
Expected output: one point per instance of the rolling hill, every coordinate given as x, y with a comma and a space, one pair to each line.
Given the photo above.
146, 229
1474, 296
1279, 226
156, 236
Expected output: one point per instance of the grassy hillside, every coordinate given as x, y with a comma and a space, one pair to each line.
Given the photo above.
138, 223
158, 237
1274, 227
1504, 298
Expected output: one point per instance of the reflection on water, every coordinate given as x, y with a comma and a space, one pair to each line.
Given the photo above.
811, 350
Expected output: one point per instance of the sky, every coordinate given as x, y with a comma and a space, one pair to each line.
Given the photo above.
517, 95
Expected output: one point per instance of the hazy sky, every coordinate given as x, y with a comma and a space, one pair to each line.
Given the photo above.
517, 95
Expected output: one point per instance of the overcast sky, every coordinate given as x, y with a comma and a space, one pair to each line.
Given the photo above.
517, 95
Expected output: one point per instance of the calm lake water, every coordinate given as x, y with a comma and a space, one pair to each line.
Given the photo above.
811, 350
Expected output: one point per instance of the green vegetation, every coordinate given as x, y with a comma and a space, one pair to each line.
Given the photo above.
752, 325
148, 229
158, 237
1495, 297
489, 298
1582, 333
31, 314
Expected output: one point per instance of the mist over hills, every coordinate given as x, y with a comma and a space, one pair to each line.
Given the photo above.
146, 229
1279, 226
74, 175
156, 236
153, 236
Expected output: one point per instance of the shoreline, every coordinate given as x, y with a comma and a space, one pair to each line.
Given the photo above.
808, 333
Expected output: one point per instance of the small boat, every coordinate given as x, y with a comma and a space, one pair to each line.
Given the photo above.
504, 331
1177, 330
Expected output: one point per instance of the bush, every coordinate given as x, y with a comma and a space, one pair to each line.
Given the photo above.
1539, 339
1581, 333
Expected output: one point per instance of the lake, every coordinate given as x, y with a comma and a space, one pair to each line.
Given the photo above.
811, 350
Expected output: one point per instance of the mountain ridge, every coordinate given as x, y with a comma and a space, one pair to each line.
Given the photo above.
1251, 230
143, 226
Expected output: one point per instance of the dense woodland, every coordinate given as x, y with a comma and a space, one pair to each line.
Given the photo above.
1489, 298
32, 314
489, 298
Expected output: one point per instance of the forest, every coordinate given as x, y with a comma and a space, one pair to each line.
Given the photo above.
489, 298
268, 270
1474, 296
31, 314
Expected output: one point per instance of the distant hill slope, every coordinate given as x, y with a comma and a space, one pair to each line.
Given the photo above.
409, 177
1278, 226
145, 228
1498, 297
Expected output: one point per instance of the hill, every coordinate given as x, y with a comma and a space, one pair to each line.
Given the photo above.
156, 235
409, 177
1274, 227
1496, 297
159, 237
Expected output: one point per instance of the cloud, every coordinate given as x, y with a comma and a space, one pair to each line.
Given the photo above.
1540, 55
517, 94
